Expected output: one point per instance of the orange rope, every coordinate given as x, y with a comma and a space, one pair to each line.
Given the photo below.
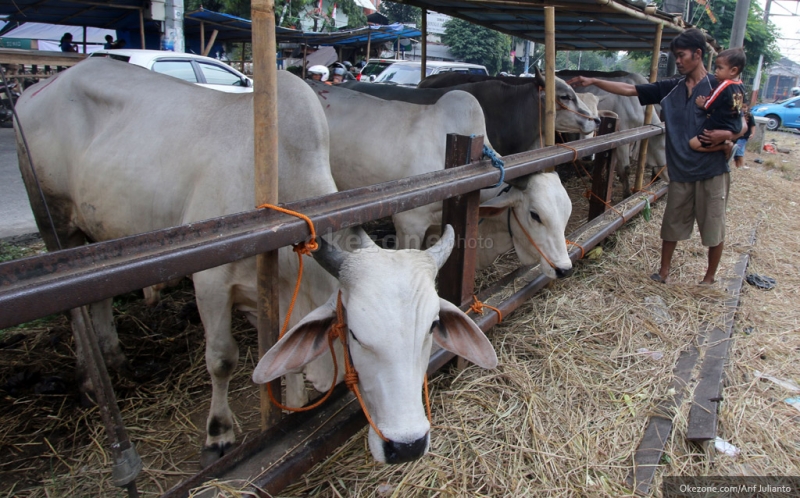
657, 175
571, 243
427, 399
302, 248
588, 193
530, 239
477, 308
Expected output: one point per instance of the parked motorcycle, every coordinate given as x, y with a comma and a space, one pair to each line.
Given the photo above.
8, 98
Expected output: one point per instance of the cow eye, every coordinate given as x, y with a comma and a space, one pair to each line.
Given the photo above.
435, 325
565, 97
535, 217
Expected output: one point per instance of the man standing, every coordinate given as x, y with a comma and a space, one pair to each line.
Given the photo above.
699, 181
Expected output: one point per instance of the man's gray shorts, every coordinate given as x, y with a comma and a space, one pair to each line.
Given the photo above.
704, 201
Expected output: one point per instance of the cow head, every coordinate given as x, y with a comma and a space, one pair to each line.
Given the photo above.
572, 115
537, 206
393, 316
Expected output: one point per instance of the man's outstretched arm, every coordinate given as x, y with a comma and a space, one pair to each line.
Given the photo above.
616, 87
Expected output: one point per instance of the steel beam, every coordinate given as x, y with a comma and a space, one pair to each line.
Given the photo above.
34, 287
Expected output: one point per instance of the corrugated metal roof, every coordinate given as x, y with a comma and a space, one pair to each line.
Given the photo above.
580, 24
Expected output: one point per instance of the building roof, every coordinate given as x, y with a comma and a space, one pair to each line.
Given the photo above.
580, 24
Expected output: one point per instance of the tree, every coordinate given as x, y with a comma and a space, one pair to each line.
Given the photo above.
398, 12
239, 8
759, 38
478, 45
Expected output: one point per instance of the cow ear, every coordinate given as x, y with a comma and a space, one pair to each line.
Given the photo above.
458, 334
498, 205
303, 343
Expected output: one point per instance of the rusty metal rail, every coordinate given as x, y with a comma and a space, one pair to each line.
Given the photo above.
41, 285
271, 460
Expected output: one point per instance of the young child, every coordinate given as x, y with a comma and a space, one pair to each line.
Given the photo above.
723, 107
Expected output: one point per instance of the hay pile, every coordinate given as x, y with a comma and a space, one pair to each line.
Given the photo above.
578, 377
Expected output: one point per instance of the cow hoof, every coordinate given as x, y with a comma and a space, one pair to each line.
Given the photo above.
211, 454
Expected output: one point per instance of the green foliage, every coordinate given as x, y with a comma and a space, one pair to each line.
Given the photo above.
291, 12
240, 8
9, 252
398, 12
355, 14
478, 45
759, 38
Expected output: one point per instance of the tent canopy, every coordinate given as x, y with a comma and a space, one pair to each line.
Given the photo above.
580, 24
39, 31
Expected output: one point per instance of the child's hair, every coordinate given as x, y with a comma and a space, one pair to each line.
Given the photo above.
734, 57
691, 39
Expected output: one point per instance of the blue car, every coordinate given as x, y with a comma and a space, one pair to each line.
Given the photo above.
785, 113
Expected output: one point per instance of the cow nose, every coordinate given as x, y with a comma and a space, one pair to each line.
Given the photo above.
561, 273
597, 121
405, 452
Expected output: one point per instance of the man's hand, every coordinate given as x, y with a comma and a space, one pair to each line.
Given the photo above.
580, 81
715, 136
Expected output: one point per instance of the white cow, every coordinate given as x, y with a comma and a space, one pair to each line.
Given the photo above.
121, 150
375, 140
630, 114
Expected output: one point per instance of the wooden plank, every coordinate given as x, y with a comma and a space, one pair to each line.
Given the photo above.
30, 57
603, 172
461, 212
648, 455
703, 416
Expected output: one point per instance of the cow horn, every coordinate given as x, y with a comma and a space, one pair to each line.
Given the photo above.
441, 250
329, 256
539, 77
521, 183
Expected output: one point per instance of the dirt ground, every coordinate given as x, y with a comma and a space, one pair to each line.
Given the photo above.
567, 366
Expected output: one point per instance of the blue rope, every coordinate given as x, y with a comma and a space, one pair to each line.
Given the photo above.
497, 163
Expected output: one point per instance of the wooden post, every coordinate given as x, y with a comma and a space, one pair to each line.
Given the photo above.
265, 142
202, 37
369, 41
305, 53
141, 25
211, 43
648, 112
549, 76
603, 169
457, 276
84, 39
424, 64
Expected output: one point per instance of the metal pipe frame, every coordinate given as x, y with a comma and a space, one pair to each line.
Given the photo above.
273, 459
38, 286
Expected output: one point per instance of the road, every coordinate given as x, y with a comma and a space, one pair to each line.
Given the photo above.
17, 218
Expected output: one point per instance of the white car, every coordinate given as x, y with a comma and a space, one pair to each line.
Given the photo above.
193, 68
407, 73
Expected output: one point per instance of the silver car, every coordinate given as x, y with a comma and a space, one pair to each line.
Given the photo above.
203, 71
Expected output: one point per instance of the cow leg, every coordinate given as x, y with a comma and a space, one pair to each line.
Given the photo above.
412, 225
214, 303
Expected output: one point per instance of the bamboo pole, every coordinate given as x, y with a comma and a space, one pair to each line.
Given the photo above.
648, 112
202, 37
141, 25
550, 76
211, 42
265, 143
369, 41
305, 53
